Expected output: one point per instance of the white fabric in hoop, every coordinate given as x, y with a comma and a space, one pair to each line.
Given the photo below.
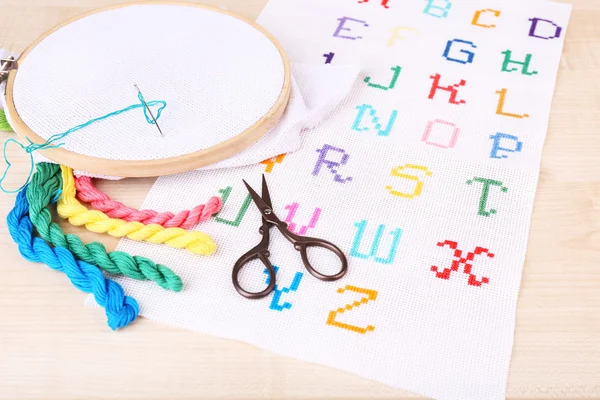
214, 89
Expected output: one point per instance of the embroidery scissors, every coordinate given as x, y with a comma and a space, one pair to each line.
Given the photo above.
261, 251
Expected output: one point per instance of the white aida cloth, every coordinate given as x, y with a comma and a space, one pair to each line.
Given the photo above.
425, 176
322, 89
163, 49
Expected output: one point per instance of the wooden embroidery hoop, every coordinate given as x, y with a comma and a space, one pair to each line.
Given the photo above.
163, 166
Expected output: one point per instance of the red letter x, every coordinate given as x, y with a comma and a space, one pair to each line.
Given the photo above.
465, 261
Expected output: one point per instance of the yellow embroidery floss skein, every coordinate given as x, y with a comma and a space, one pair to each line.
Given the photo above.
96, 221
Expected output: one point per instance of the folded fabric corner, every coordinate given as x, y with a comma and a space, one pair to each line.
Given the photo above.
316, 91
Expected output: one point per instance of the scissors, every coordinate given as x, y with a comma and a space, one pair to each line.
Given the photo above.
261, 251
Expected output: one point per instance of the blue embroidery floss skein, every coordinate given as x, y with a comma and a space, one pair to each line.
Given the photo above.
121, 310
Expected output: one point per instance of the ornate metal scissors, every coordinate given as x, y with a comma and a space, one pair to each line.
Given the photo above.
261, 251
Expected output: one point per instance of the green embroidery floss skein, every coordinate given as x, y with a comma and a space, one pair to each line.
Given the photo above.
4, 125
44, 186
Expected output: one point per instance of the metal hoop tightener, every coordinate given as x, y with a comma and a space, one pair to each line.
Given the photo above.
6, 65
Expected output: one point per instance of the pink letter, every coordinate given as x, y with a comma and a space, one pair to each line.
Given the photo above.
429, 128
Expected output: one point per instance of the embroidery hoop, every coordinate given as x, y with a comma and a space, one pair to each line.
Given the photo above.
160, 166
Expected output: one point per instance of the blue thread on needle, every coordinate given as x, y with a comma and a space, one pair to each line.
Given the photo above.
31, 147
141, 97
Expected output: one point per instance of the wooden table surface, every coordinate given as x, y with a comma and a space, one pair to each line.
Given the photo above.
52, 347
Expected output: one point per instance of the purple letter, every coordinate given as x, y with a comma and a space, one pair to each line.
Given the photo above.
328, 57
342, 28
534, 27
331, 165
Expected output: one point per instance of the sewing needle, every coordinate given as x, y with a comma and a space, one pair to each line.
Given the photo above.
148, 108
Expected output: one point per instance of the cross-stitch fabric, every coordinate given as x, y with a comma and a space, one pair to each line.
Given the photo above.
425, 176
323, 88
214, 89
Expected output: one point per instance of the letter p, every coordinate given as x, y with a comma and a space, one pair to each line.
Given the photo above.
502, 139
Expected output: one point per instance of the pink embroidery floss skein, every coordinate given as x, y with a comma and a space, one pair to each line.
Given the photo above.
88, 193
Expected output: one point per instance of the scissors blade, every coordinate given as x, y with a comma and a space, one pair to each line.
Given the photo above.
257, 199
265, 209
266, 196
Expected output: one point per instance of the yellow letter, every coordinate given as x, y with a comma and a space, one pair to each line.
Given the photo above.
478, 14
419, 186
395, 34
500, 108
370, 295
270, 163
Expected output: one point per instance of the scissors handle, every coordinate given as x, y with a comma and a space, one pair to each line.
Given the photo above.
303, 243
263, 256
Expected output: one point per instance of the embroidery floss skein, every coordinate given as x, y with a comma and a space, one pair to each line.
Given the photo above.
121, 310
45, 184
4, 125
77, 214
88, 193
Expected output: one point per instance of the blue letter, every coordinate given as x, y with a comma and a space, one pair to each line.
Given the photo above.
375, 120
469, 54
362, 225
278, 292
444, 10
496, 146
